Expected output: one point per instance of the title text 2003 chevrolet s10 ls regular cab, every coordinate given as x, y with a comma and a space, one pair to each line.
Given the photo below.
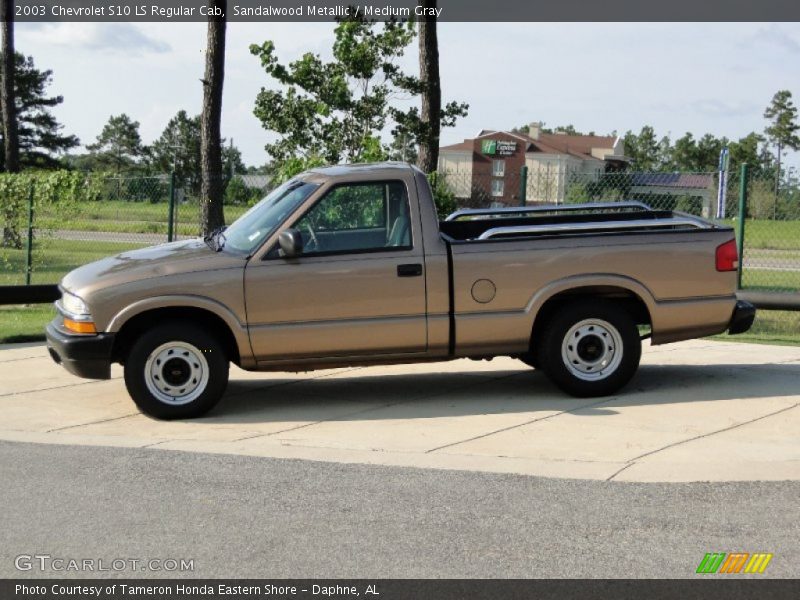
350, 265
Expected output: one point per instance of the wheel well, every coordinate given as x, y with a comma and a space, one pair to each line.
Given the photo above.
628, 300
210, 322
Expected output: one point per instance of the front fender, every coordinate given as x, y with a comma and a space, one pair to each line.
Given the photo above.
237, 328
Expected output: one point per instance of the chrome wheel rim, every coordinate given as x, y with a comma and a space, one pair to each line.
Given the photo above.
176, 373
592, 349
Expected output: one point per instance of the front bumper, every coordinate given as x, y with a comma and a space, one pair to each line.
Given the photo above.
743, 315
86, 356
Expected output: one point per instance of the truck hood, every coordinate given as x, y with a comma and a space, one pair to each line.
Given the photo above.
186, 256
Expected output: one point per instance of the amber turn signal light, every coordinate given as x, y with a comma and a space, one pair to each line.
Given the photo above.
79, 326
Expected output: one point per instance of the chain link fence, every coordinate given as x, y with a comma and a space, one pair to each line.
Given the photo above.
114, 214
771, 248
121, 213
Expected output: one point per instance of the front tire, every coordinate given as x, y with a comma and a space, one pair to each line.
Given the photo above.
590, 349
176, 371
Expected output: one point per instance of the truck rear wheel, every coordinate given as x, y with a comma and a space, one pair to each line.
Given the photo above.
176, 371
590, 348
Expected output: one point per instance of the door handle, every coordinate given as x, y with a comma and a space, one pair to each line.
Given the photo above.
412, 270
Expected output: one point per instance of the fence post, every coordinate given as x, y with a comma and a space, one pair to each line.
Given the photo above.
742, 216
29, 248
523, 185
171, 218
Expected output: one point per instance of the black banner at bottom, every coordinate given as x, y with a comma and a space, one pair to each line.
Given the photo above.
398, 589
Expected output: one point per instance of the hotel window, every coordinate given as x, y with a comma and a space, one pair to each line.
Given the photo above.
498, 168
497, 188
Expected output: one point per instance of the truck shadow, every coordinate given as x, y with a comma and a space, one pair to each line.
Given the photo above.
364, 396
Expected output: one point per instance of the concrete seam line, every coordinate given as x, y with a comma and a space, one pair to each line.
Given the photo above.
381, 407
630, 464
266, 386
8, 360
58, 387
92, 423
710, 433
510, 427
154, 444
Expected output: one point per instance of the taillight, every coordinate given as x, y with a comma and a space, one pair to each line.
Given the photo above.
727, 257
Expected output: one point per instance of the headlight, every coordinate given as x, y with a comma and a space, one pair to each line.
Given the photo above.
74, 305
77, 317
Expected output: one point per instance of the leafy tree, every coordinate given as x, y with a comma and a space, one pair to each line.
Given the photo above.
58, 188
232, 163
335, 111
119, 145
565, 129
212, 187
782, 130
403, 149
643, 149
684, 152
178, 149
443, 196
750, 150
237, 192
706, 156
696, 156
39, 133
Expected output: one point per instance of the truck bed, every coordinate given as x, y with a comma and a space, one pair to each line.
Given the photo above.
506, 261
522, 222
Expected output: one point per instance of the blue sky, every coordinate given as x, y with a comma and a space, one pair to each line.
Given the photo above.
698, 77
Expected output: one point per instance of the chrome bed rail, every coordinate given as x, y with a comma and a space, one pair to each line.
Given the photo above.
515, 210
682, 221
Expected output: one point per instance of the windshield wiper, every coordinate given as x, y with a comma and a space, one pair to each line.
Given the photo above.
216, 239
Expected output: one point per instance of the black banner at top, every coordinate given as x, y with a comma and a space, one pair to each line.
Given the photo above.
446, 10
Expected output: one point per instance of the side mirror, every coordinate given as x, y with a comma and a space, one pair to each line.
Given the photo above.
291, 243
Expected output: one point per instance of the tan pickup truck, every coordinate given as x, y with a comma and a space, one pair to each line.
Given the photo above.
350, 265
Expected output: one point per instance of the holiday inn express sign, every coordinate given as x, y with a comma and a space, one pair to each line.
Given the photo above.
498, 147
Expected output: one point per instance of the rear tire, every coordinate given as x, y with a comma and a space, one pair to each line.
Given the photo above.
590, 348
176, 371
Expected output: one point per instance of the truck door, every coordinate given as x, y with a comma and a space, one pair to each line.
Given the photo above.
357, 288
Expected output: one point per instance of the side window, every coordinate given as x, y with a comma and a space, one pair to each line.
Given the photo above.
358, 218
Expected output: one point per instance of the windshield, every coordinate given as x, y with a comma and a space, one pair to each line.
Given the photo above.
250, 230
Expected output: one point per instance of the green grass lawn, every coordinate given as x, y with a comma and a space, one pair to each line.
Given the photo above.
777, 327
53, 258
769, 280
24, 323
763, 233
131, 217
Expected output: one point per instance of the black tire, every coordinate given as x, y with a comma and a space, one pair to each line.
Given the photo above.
178, 361
591, 365
530, 359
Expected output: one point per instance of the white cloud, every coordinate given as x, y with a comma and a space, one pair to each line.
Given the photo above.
678, 77
777, 37
117, 38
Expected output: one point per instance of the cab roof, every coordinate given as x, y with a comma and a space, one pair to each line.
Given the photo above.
387, 168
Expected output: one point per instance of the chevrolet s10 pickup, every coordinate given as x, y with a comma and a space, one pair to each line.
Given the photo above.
350, 265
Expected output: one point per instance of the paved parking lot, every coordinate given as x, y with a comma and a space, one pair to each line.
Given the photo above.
697, 411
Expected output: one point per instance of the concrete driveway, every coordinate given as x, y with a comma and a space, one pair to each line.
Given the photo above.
696, 411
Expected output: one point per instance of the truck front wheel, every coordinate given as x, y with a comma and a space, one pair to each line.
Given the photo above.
590, 348
176, 371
